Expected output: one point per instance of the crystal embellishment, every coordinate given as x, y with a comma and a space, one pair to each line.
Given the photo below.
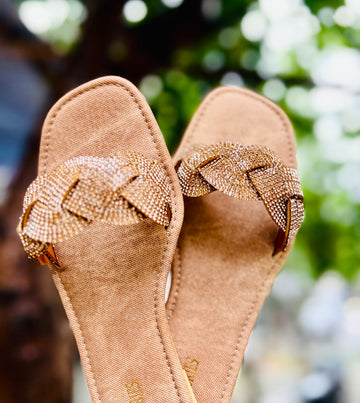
122, 189
247, 172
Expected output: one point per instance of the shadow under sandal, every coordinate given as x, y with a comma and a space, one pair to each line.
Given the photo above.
243, 207
105, 213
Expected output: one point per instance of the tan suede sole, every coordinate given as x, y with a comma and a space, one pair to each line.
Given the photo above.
224, 267
112, 278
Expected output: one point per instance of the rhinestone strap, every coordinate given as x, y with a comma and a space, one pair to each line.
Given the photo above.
248, 173
121, 189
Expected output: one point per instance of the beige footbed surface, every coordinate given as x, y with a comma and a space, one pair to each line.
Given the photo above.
112, 278
224, 268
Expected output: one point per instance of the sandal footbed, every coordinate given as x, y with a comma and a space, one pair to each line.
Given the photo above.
224, 268
112, 278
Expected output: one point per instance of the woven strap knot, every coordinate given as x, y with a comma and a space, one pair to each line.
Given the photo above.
248, 173
121, 189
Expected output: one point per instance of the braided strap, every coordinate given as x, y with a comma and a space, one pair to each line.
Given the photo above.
121, 189
247, 173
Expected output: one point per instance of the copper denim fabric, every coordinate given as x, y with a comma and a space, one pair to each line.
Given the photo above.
112, 278
224, 268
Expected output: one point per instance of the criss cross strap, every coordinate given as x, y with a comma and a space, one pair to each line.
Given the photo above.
247, 172
122, 189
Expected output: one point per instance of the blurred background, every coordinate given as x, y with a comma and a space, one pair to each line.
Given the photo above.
302, 54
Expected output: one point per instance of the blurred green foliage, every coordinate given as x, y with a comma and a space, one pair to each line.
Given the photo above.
302, 54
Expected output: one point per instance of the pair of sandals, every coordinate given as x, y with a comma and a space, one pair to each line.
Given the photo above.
107, 215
